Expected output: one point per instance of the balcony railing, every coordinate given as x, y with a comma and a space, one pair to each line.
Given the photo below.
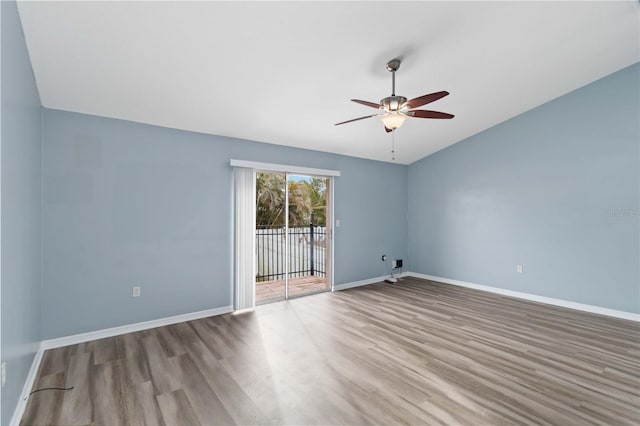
307, 252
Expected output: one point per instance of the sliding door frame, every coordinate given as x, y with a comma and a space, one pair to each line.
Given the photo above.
332, 222
305, 171
286, 236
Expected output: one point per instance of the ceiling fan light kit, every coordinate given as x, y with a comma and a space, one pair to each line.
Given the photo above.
394, 110
393, 119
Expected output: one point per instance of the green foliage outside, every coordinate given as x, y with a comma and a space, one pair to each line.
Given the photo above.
306, 196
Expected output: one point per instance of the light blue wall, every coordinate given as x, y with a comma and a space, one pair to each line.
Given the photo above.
555, 189
21, 209
130, 204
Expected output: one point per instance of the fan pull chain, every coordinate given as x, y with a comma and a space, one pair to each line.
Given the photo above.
393, 145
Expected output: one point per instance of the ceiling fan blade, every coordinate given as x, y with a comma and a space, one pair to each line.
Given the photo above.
356, 119
425, 99
367, 103
423, 113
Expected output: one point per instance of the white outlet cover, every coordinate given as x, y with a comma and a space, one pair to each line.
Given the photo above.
519, 269
135, 292
4, 373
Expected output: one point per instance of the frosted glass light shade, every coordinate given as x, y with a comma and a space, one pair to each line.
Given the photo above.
393, 120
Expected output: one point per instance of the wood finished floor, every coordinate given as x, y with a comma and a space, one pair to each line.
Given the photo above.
415, 352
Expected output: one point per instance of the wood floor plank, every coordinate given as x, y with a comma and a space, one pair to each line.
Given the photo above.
161, 371
170, 341
148, 411
236, 402
177, 410
207, 406
112, 395
132, 354
46, 405
77, 408
105, 350
55, 361
415, 352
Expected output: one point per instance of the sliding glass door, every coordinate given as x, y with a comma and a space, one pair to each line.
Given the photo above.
271, 213
292, 235
307, 234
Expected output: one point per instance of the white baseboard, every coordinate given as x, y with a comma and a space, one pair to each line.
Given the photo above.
535, 298
28, 385
368, 281
131, 328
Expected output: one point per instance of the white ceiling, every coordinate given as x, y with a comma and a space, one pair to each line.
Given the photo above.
284, 72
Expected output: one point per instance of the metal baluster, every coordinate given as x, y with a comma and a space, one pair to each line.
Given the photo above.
312, 251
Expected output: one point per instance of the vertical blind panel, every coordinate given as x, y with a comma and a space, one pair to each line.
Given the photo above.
244, 241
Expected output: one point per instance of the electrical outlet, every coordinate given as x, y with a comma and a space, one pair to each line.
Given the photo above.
393, 264
136, 292
337, 223
519, 269
4, 372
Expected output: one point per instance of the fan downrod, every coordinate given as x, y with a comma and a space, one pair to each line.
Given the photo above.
393, 66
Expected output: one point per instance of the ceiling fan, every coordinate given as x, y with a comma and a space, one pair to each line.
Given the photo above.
393, 110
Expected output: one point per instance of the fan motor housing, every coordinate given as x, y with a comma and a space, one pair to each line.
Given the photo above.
392, 103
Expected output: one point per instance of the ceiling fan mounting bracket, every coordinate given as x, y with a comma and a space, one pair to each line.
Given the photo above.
393, 65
